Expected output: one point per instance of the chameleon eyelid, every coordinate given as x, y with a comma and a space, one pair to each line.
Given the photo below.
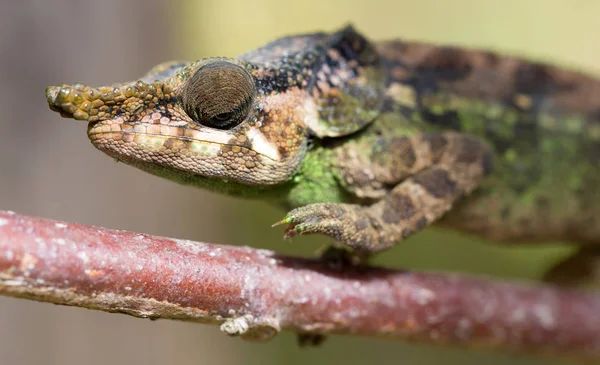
215, 90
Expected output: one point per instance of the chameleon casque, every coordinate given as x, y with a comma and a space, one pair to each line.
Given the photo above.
367, 142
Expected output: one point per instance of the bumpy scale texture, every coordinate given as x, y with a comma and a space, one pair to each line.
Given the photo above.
367, 142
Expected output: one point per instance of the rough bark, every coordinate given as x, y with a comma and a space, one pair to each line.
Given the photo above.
257, 293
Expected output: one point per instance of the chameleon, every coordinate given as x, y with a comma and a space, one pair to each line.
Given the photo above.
367, 142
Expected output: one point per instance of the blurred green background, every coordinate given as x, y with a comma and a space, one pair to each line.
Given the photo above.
48, 168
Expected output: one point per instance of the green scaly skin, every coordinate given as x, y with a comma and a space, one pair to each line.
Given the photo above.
367, 142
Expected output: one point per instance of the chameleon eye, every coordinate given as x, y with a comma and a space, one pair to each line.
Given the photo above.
218, 95
222, 117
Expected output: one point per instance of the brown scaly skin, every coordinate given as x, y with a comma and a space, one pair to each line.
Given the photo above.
367, 142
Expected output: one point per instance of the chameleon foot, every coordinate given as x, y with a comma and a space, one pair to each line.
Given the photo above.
346, 223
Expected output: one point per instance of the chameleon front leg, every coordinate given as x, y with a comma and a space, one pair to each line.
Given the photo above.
431, 172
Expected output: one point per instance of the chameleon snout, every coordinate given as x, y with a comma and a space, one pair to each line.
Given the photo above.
71, 101
51, 94
95, 104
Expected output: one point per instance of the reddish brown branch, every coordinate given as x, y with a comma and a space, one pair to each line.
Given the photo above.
257, 293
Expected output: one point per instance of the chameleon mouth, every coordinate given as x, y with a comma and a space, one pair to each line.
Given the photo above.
192, 158
151, 137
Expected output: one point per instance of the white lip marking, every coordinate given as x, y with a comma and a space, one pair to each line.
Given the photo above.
211, 136
262, 146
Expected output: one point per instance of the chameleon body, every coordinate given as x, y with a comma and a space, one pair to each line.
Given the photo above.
367, 142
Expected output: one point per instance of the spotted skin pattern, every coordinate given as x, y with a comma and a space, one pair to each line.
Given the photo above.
367, 142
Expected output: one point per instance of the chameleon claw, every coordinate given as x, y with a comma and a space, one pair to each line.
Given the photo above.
289, 233
290, 230
286, 220
295, 230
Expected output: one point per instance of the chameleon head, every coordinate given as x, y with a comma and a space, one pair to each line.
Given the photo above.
239, 121
189, 122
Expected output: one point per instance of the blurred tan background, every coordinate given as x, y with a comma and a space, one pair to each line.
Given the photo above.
48, 168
